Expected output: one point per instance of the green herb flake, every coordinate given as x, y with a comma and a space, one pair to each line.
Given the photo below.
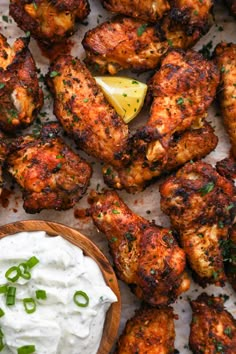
228, 332
180, 101
114, 211
85, 100
54, 73
2, 85
207, 188
141, 29
5, 18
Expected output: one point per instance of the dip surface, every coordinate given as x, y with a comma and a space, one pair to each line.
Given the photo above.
58, 325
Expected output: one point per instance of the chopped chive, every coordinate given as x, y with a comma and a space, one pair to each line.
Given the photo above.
29, 305
12, 274
83, 296
3, 289
2, 313
23, 267
11, 296
26, 349
32, 262
41, 294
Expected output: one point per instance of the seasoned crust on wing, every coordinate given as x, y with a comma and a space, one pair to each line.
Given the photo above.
182, 89
128, 43
213, 329
146, 256
193, 14
84, 113
49, 21
149, 10
190, 145
21, 98
3, 156
150, 330
197, 200
225, 55
50, 174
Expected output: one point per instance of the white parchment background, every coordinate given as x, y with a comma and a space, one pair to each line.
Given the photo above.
145, 203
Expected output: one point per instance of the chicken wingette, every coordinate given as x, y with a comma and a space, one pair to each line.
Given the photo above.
225, 54
149, 331
182, 89
198, 201
84, 113
21, 98
128, 43
50, 174
213, 328
3, 156
146, 256
193, 14
49, 21
149, 10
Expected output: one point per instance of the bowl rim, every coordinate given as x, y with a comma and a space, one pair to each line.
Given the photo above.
89, 248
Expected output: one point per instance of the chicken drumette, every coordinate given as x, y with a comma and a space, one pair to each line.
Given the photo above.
213, 329
198, 201
149, 10
150, 330
49, 21
20, 95
51, 175
84, 113
146, 256
127, 43
225, 54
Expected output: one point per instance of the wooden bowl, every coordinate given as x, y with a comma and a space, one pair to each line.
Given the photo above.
90, 249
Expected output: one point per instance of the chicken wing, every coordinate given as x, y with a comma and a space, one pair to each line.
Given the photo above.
213, 329
51, 175
183, 89
146, 256
197, 200
3, 155
84, 113
149, 331
20, 95
190, 145
226, 60
49, 21
150, 10
227, 168
127, 43
193, 14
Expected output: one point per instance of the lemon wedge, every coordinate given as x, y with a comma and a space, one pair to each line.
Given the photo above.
126, 95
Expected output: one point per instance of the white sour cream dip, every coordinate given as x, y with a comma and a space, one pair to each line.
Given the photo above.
58, 326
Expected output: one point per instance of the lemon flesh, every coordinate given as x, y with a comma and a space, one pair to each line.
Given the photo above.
126, 95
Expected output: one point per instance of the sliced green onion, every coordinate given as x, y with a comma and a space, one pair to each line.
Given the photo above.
23, 267
29, 305
26, 349
32, 262
3, 289
1, 340
13, 274
84, 296
11, 296
2, 313
41, 294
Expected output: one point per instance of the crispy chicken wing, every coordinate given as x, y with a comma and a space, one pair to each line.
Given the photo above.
183, 89
213, 329
146, 256
149, 10
127, 43
226, 60
84, 112
49, 21
3, 155
197, 200
227, 167
193, 14
149, 331
20, 95
190, 145
51, 175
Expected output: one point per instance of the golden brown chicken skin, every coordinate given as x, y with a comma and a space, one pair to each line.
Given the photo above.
193, 14
149, 331
197, 200
128, 43
49, 21
225, 54
146, 256
149, 10
182, 91
21, 98
192, 144
3, 156
213, 329
84, 113
50, 174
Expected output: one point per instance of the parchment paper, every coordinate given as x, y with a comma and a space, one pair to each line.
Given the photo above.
145, 203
